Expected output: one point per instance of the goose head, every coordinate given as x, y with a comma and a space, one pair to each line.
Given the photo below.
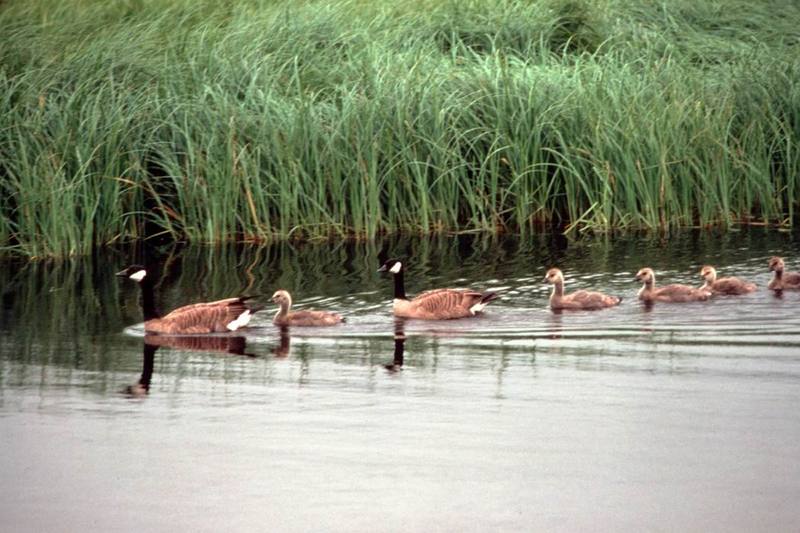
135, 272
392, 265
282, 298
554, 276
709, 274
646, 276
776, 264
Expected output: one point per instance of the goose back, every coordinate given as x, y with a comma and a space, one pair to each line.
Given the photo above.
582, 299
443, 304
219, 316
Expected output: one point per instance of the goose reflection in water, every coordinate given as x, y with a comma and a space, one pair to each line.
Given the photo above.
556, 324
232, 345
284, 346
399, 346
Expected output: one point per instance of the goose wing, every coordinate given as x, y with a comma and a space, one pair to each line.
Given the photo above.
732, 286
205, 317
590, 299
448, 303
681, 293
791, 279
313, 318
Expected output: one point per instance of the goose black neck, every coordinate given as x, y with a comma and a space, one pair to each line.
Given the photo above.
399, 286
148, 300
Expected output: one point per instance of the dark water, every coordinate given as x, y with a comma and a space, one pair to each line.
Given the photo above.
682, 417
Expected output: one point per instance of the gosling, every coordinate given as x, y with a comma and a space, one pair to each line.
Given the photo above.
588, 300
305, 318
727, 286
782, 280
670, 293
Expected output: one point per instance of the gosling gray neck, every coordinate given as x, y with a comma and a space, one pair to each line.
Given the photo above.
283, 311
558, 290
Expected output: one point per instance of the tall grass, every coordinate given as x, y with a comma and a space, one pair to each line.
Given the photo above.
260, 120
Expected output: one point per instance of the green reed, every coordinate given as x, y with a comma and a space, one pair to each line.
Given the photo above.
262, 120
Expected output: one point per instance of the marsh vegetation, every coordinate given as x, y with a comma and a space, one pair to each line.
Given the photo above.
260, 120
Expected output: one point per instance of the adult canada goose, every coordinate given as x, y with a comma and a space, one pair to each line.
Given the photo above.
668, 293
306, 317
229, 314
437, 304
578, 299
782, 280
731, 285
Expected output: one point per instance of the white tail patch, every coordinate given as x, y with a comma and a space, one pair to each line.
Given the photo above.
240, 321
396, 268
477, 308
138, 275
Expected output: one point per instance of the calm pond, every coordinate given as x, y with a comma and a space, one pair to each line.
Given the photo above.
679, 417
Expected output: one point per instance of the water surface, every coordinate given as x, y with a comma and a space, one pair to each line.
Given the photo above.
671, 418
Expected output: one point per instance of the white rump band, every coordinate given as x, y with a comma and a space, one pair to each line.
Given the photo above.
241, 321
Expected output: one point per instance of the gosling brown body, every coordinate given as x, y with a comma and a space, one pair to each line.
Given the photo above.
588, 300
782, 280
305, 318
675, 293
436, 304
724, 286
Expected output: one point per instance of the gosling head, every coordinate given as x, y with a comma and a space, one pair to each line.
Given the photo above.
554, 276
392, 265
646, 275
282, 298
776, 264
708, 273
135, 272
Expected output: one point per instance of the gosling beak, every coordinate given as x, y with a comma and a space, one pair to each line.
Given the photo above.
545, 280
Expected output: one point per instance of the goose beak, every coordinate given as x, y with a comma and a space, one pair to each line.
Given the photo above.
122, 273
382, 268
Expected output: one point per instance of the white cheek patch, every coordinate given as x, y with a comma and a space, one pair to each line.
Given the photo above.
240, 321
138, 275
396, 268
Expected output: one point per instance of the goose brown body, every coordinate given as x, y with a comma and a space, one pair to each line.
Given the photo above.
304, 318
675, 292
588, 300
728, 286
219, 316
207, 317
436, 304
782, 280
